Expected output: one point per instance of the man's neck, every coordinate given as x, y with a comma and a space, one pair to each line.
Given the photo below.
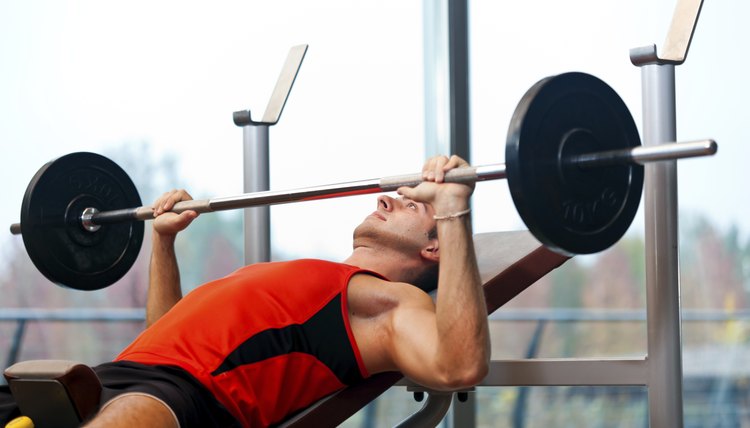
393, 267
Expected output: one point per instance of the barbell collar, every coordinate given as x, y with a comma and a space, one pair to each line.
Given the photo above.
86, 219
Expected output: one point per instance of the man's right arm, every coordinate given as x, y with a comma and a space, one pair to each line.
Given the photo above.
446, 345
164, 288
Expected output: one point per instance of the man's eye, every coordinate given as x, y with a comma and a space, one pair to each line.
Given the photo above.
412, 205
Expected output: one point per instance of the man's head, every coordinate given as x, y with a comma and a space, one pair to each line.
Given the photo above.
402, 233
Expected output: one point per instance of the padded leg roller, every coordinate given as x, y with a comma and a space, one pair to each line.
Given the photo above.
54, 393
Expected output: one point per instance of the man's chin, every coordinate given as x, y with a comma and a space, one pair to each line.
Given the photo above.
365, 229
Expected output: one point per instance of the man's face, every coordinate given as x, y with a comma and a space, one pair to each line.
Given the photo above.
398, 223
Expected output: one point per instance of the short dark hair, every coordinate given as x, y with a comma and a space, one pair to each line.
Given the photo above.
432, 234
427, 280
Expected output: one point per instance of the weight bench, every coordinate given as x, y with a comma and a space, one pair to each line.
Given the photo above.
54, 393
62, 394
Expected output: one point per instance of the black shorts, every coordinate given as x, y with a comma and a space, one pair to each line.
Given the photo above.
191, 402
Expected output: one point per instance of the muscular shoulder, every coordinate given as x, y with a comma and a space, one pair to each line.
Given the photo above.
372, 296
375, 306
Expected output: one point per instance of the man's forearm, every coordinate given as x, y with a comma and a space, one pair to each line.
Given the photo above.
164, 289
461, 310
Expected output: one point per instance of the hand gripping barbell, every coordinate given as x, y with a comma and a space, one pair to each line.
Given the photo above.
573, 164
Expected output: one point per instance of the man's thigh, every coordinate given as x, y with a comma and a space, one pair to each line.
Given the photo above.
134, 409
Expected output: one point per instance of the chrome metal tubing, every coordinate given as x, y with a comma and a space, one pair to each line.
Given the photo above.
275, 197
256, 178
645, 154
662, 252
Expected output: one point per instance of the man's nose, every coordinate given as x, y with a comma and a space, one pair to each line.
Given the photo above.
386, 203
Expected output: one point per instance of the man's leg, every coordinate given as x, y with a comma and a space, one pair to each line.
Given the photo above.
134, 410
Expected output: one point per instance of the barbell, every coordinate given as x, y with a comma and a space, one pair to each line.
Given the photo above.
572, 160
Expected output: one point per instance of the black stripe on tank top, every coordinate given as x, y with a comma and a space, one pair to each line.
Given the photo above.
323, 336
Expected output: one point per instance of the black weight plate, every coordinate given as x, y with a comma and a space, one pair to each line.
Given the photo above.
59, 246
570, 209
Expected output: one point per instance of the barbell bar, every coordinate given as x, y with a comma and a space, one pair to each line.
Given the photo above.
573, 162
91, 218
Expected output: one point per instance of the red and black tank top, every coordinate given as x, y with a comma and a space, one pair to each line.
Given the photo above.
267, 340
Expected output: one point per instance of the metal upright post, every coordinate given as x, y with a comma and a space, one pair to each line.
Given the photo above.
662, 253
257, 220
458, 78
661, 214
256, 158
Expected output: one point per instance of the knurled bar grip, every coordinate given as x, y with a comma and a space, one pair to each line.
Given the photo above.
461, 175
468, 175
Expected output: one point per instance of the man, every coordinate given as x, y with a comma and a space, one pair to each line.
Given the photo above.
273, 338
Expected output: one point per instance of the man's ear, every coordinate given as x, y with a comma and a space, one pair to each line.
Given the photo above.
432, 251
